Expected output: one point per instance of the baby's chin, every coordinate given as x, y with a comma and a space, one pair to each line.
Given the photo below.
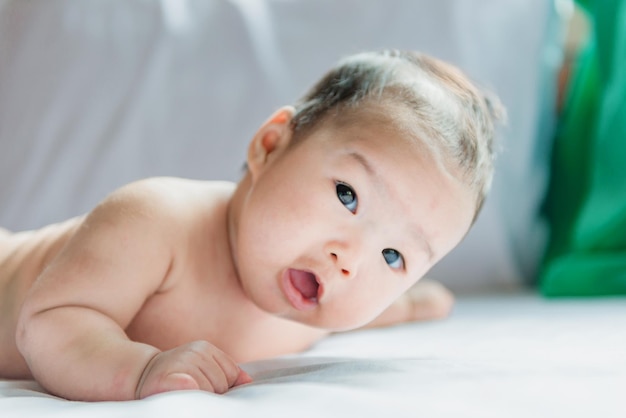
331, 323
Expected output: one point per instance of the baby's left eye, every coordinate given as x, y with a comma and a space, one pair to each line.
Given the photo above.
393, 258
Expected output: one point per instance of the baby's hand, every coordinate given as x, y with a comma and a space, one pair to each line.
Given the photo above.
197, 365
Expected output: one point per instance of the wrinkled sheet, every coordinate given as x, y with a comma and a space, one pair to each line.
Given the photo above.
504, 355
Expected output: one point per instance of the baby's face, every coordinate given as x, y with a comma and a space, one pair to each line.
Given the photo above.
338, 226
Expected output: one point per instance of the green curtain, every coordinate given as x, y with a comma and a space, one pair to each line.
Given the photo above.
586, 200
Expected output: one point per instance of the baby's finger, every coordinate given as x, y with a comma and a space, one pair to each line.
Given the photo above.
233, 373
242, 378
213, 378
173, 381
179, 381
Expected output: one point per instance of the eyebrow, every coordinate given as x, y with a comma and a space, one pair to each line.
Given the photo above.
417, 233
366, 164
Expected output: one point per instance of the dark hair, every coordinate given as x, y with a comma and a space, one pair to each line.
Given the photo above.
456, 117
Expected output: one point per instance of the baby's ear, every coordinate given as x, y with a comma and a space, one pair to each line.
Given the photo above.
270, 140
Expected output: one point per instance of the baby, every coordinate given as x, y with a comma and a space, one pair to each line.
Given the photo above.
348, 199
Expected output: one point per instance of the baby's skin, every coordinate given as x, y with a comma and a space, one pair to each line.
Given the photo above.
170, 284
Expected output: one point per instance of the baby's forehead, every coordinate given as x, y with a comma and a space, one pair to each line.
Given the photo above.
382, 128
383, 113
395, 121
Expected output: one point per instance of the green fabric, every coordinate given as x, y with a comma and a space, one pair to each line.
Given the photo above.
586, 201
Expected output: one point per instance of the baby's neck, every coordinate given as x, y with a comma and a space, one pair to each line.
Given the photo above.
233, 214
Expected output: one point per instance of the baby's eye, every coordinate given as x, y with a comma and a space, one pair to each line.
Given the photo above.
347, 196
393, 258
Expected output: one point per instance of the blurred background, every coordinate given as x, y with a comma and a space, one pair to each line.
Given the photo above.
96, 93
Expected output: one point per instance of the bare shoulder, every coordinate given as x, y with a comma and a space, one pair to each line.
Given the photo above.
172, 217
159, 211
168, 191
163, 199
137, 232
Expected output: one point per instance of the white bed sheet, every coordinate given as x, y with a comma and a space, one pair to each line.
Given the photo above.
504, 355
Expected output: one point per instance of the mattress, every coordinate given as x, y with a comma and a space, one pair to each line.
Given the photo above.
510, 354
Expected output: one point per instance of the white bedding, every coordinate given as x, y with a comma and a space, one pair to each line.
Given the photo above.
503, 355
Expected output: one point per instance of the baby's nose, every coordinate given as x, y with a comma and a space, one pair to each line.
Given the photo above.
346, 257
345, 272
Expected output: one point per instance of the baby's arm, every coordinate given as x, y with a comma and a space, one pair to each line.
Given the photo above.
71, 329
426, 300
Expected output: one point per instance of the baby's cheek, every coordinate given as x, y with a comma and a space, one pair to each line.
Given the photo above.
360, 311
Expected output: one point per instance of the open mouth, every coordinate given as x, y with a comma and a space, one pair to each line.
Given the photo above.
301, 288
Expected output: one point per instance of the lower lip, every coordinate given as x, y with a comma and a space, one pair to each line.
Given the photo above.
294, 296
